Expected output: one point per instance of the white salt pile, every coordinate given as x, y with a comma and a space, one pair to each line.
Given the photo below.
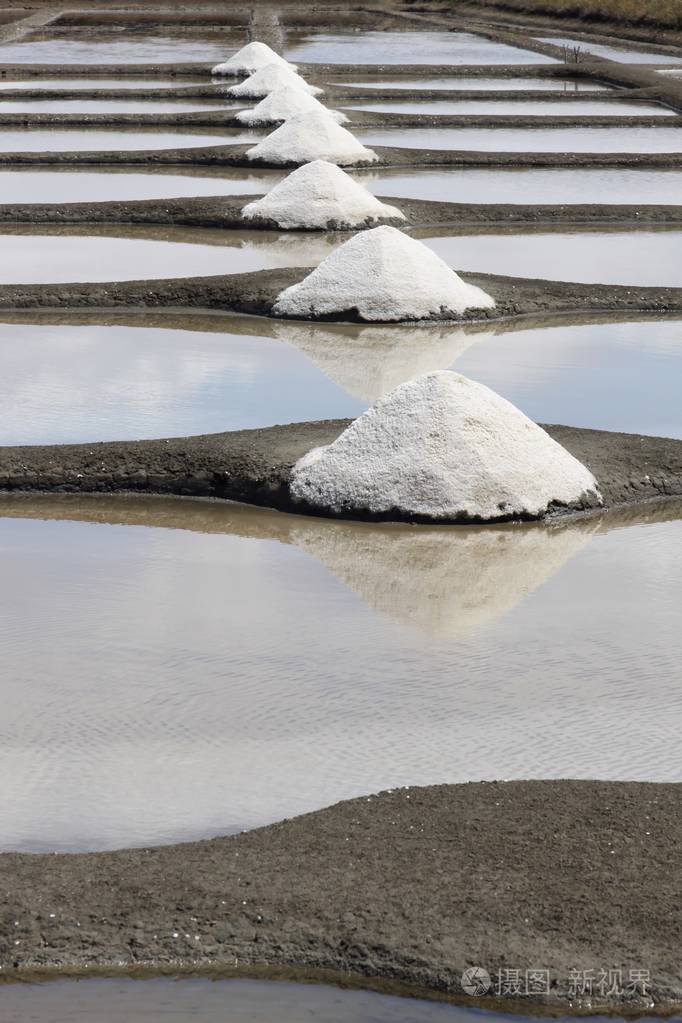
284, 103
250, 58
269, 79
320, 195
311, 136
443, 447
382, 275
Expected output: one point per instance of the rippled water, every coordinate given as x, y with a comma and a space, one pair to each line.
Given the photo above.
474, 82
520, 107
405, 48
661, 139
41, 48
147, 669
75, 382
112, 106
34, 140
626, 54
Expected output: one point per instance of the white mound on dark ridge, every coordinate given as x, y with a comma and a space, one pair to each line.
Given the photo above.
269, 79
284, 103
250, 58
313, 135
443, 447
382, 275
320, 195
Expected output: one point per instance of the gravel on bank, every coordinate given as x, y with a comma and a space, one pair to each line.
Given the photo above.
410, 886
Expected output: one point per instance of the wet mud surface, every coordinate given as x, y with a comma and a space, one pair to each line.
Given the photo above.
411, 886
254, 466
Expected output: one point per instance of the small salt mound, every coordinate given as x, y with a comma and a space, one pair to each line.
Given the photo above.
311, 136
286, 102
443, 447
320, 195
382, 275
250, 58
269, 79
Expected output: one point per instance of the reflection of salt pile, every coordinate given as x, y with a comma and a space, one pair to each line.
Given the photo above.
269, 79
284, 103
320, 195
367, 362
446, 582
250, 58
308, 137
443, 447
382, 275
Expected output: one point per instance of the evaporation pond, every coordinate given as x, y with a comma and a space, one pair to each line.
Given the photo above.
637, 139
405, 48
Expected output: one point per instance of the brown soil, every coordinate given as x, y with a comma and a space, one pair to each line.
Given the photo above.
410, 886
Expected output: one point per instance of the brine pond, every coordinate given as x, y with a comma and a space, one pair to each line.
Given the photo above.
41, 48
114, 106
626, 54
637, 139
124, 82
475, 82
404, 48
79, 140
494, 107
461, 185
44, 255
229, 1001
75, 382
360, 657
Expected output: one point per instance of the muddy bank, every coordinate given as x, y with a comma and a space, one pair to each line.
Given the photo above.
254, 466
255, 293
226, 212
410, 886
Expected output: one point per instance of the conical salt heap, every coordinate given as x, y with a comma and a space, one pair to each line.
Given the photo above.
320, 196
269, 79
443, 447
311, 136
382, 275
286, 102
250, 58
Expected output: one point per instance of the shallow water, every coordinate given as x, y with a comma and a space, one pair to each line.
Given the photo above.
38, 256
80, 140
72, 383
474, 185
593, 257
74, 185
526, 140
405, 48
113, 106
126, 82
519, 107
41, 48
360, 657
231, 1001
474, 82
620, 53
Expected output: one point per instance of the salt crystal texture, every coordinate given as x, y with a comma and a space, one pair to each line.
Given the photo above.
269, 79
250, 58
382, 275
320, 195
284, 103
311, 136
443, 447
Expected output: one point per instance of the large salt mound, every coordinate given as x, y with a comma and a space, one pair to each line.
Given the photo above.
320, 195
269, 79
250, 58
286, 102
382, 275
311, 136
443, 447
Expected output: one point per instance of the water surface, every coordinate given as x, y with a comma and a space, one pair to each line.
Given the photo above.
405, 48
80, 140
625, 54
526, 140
113, 106
474, 82
126, 82
495, 185
574, 108
147, 667
42, 48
